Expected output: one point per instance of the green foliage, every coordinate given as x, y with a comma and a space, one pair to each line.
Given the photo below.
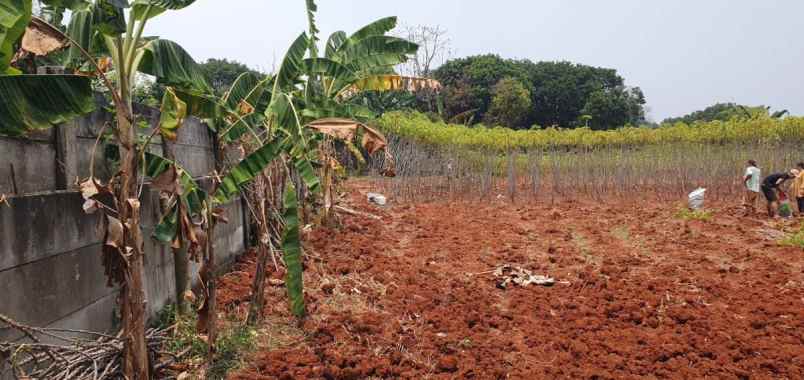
510, 104
222, 73
234, 342
724, 112
469, 82
14, 17
156, 7
559, 91
80, 30
173, 66
246, 170
795, 239
171, 114
687, 214
108, 17
420, 128
40, 101
380, 102
613, 108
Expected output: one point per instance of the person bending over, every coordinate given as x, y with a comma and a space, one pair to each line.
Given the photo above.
771, 187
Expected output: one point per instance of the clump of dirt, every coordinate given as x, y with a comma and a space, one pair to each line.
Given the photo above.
640, 293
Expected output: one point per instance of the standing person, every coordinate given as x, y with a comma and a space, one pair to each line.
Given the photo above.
771, 187
797, 190
751, 180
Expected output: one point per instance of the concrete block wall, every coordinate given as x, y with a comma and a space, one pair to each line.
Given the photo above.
51, 271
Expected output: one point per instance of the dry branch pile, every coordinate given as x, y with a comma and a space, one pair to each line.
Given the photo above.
61, 354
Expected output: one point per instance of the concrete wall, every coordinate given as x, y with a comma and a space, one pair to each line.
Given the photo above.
51, 272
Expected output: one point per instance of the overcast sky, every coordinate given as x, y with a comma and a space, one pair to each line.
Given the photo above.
684, 54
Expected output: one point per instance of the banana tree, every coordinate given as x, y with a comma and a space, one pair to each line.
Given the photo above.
275, 113
308, 93
278, 120
100, 31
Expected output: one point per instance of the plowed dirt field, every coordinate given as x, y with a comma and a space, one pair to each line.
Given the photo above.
640, 293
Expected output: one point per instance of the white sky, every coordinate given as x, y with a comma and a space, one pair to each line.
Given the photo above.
684, 54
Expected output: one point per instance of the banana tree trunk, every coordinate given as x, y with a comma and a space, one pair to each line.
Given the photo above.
327, 185
181, 269
212, 274
263, 246
135, 350
258, 285
181, 259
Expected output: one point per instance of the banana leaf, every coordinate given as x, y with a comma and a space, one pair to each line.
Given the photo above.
248, 87
313, 29
246, 99
80, 31
304, 167
138, 7
73, 5
292, 65
202, 106
122, 4
40, 101
191, 193
246, 170
292, 253
331, 71
173, 66
191, 196
14, 17
334, 43
234, 130
108, 17
376, 28
168, 227
282, 112
172, 114
352, 53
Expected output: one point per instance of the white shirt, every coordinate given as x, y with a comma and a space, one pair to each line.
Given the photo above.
756, 176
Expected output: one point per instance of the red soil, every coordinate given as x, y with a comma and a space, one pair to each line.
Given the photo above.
641, 294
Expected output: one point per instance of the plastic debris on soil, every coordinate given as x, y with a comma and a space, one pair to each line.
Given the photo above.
509, 274
377, 199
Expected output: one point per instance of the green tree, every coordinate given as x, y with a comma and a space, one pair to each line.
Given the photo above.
559, 91
380, 102
468, 82
461, 103
613, 108
510, 104
222, 73
725, 112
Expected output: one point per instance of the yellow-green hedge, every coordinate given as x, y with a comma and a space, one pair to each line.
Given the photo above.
419, 128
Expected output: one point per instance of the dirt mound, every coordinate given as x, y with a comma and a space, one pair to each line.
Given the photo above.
639, 293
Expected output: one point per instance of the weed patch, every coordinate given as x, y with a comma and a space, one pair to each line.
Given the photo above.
795, 239
234, 339
687, 214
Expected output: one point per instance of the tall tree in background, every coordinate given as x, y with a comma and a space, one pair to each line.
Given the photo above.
559, 90
470, 81
614, 108
510, 105
435, 47
222, 73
